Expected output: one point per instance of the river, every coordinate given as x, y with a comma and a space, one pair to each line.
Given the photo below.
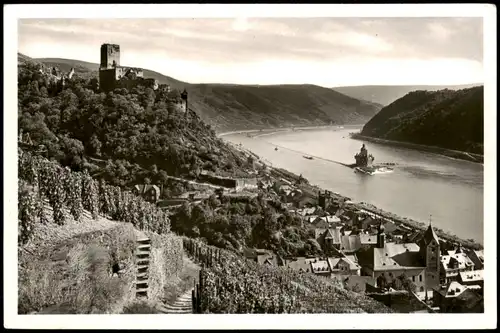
423, 184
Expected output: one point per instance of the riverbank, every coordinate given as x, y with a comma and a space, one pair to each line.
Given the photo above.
268, 131
447, 235
413, 224
471, 157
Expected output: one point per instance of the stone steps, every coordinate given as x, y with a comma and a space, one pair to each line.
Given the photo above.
142, 256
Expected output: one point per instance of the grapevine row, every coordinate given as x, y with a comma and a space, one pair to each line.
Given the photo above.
41, 181
229, 283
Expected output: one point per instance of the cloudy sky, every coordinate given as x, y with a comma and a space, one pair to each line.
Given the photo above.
324, 51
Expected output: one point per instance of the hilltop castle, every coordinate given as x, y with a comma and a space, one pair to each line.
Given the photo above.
112, 75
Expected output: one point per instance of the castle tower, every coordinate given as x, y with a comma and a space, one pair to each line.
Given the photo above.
430, 253
110, 56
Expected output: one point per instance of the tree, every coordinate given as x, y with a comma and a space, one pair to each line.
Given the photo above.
382, 281
406, 283
163, 177
95, 145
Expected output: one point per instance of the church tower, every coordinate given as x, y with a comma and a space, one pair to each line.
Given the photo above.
381, 236
430, 253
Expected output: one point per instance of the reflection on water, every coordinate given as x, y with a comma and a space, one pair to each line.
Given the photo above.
421, 184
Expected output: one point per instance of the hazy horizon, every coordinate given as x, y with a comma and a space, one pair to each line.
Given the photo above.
329, 52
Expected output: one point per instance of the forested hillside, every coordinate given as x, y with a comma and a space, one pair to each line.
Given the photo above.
125, 137
228, 107
385, 95
446, 118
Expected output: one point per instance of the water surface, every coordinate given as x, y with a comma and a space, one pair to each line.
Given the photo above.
422, 184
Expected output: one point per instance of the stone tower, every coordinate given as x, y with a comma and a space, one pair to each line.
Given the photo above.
430, 253
110, 56
381, 236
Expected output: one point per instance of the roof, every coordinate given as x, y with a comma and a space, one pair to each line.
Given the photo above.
392, 256
430, 235
369, 221
472, 276
320, 266
461, 258
352, 261
415, 237
390, 227
320, 222
453, 289
360, 281
367, 239
334, 234
332, 219
480, 255
312, 218
350, 243
297, 264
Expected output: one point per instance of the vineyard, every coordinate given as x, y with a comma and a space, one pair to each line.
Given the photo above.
229, 283
43, 182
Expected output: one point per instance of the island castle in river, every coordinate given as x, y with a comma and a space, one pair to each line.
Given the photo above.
363, 159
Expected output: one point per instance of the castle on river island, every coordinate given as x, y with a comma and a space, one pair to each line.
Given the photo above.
363, 159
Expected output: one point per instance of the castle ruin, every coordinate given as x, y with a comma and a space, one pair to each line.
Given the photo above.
112, 75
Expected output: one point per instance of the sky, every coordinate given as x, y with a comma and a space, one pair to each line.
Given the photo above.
328, 52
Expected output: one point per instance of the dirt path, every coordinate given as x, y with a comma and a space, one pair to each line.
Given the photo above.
182, 303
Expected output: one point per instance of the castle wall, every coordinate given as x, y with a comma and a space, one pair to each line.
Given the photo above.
107, 79
112, 75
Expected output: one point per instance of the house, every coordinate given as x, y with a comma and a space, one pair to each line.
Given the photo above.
262, 256
366, 223
357, 283
301, 264
332, 219
321, 267
319, 222
453, 263
350, 243
150, 193
328, 238
325, 199
344, 265
392, 260
457, 298
472, 278
306, 211
477, 258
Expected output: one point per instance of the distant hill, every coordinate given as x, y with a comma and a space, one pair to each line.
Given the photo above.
446, 118
235, 107
385, 95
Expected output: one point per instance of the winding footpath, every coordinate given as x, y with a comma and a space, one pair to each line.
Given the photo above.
182, 305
